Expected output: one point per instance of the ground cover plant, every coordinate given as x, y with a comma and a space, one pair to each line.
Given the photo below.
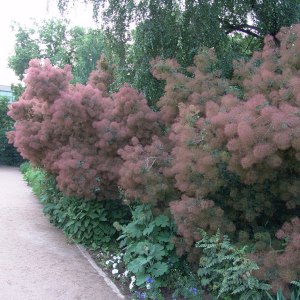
219, 154
147, 244
226, 269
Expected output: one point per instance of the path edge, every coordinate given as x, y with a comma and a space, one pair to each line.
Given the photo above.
100, 272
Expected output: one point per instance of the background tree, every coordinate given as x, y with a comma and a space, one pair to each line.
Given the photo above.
8, 154
54, 39
177, 28
26, 48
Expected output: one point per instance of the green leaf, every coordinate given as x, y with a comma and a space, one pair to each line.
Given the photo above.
157, 251
162, 221
142, 248
71, 222
93, 215
205, 281
133, 230
164, 237
86, 222
76, 227
158, 269
140, 278
149, 229
137, 265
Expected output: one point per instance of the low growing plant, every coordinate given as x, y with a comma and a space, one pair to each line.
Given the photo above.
35, 178
24, 167
84, 222
225, 269
147, 245
152, 291
186, 284
295, 295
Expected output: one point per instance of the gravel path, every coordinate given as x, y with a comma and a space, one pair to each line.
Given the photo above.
36, 262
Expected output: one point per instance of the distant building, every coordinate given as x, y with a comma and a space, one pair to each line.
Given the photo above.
5, 90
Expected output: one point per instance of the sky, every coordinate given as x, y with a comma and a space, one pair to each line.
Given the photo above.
23, 12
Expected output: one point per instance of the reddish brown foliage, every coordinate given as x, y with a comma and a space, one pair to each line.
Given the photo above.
76, 131
102, 77
280, 268
144, 175
191, 214
237, 143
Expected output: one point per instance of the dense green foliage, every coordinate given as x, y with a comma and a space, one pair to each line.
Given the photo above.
147, 242
225, 269
267, 17
55, 40
8, 154
5, 121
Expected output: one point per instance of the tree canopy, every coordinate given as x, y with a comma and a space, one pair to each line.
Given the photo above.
54, 39
177, 29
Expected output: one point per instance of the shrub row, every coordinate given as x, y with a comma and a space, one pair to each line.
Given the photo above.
220, 153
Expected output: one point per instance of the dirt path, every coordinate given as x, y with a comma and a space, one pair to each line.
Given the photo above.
36, 262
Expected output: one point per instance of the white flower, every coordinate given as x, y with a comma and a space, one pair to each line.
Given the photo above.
114, 257
131, 285
115, 271
132, 278
126, 273
148, 286
115, 265
107, 262
118, 257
